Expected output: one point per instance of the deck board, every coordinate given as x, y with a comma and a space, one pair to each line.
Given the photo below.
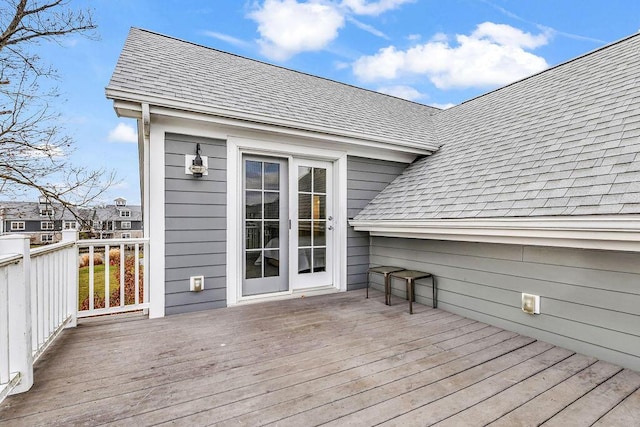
463, 398
545, 406
497, 406
626, 413
592, 406
338, 359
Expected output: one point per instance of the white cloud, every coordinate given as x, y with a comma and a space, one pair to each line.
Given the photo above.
374, 8
402, 91
226, 38
287, 27
42, 151
545, 28
368, 28
507, 35
123, 133
493, 54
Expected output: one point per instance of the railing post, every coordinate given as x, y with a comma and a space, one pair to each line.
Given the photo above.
72, 275
20, 355
145, 276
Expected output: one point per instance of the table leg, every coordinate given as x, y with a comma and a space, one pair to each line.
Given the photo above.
387, 290
368, 278
410, 284
435, 295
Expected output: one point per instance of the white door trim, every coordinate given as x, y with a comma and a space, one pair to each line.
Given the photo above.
236, 146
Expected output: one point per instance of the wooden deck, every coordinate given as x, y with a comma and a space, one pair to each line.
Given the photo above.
338, 360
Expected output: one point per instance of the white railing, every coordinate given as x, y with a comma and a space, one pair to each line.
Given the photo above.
44, 290
113, 276
16, 356
53, 294
11, 266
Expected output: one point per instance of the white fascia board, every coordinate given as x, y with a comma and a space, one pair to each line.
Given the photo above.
619, 233
124, 105
201, 124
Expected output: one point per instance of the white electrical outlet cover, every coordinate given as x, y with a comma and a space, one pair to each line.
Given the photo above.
531, 303
196, 283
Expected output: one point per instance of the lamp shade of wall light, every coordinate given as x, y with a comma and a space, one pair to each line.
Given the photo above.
196, 165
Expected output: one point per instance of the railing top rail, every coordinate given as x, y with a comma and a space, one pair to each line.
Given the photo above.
10, 259
51, 248
110, 242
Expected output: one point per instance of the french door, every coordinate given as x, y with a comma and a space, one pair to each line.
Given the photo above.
311, 252
265, 226
287, 224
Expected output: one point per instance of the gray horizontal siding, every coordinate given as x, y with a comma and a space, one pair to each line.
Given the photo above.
135, 225
589, 299
195, 226
32, 226
365, 179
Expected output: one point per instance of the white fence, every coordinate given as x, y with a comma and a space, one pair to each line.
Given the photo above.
44, 290
124, 260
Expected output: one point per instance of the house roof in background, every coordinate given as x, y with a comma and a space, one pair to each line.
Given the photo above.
161, 67
563, 142
30, 211
110, 213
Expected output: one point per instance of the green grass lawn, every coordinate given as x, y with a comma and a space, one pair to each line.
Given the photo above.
98, 281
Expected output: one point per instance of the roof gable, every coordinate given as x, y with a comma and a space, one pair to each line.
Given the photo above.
161, 67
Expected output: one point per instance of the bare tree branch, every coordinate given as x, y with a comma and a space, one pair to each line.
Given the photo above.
43, 20
34, 151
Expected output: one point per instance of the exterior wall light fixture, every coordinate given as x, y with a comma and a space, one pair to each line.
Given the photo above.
196, 165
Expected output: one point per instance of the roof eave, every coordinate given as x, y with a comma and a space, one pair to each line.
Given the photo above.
128, 104
604, 232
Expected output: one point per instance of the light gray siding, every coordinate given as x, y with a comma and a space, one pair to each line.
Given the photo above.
365, 179
195, 226
589, 299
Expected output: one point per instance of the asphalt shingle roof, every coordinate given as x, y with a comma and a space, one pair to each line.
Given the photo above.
158, 66
563, 142
30, 211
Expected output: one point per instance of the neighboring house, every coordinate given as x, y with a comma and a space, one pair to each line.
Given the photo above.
532, 188
117, 221
44, 221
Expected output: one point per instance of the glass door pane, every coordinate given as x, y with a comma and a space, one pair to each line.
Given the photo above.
312, 219
265, 218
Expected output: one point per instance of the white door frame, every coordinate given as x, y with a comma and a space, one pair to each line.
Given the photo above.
236, 147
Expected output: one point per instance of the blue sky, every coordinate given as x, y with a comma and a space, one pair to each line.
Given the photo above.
434, 52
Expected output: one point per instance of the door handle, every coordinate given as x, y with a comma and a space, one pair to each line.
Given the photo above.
330, 218
330, 227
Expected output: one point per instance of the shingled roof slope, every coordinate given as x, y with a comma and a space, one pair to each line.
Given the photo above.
166, 68
565, 141
30, 211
